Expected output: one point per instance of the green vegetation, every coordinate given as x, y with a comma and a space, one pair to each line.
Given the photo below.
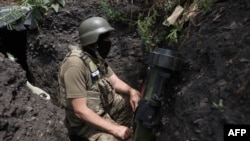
147, 22
204, 5
38, 7
113, 13
16, 13
220, 106
173, 35
145, 27
158, 11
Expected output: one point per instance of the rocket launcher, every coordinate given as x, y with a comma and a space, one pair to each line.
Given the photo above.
161, 64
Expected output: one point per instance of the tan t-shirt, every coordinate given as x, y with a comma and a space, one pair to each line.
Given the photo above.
75, 78
74, 74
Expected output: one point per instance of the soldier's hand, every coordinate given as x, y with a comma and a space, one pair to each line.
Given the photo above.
134, 99
122, 132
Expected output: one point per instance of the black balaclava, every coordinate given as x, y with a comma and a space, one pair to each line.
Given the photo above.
103, 45
90, 51
104, 48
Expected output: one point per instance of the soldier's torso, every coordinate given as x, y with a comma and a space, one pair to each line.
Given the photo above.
98, 87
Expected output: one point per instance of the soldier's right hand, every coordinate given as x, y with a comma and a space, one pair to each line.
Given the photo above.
122, 132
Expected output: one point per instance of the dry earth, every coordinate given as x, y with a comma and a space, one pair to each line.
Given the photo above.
216, 68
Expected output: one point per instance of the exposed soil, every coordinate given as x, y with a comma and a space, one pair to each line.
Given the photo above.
216, 68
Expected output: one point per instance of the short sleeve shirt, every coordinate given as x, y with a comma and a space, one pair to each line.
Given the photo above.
76, 77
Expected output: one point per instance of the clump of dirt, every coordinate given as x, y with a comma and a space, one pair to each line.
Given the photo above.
23, 115
211, 90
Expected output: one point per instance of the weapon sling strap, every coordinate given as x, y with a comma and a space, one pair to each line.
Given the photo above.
87, 61
92, 67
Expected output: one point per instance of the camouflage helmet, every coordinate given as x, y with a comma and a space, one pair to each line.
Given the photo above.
90, 29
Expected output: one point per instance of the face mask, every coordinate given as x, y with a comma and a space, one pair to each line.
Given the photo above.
104, 48
90, 51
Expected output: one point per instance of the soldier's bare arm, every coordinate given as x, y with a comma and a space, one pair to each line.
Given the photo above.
83, 112
122, 87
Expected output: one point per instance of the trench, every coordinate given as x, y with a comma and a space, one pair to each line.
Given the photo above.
14, 42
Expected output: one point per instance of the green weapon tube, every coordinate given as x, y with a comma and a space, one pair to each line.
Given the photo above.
147, 117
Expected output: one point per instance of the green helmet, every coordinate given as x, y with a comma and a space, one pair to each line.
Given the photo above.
90, 29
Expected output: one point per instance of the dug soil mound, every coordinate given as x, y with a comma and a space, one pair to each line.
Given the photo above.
25, 116
211, 90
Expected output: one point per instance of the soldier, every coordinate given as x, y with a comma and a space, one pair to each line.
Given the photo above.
99, 105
